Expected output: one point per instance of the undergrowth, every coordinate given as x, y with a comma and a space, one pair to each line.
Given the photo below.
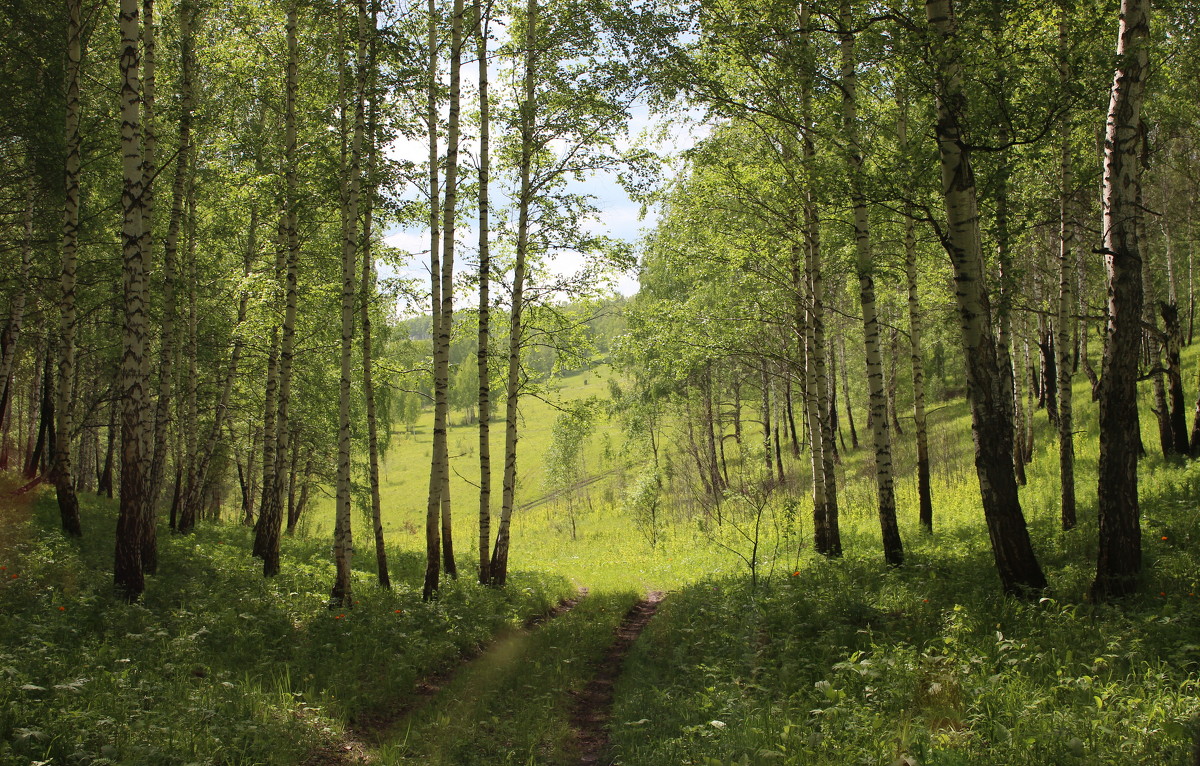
216, 664
851, 662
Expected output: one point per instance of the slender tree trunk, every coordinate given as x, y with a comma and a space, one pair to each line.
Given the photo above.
270, 519
170, 250
202, 457
1174, 348
135, 448
302, 500
449, 212
433, 534
790, 413
268, 508
104, 483
710, 437
485, 276
991, 406
499, 574
367, 290
846, 393
16, 311
1066, 242
68, 503
893, 379
765, 388
917, 358
821, 532
893, 549
45, 418
342, 540
191, 438
822, 434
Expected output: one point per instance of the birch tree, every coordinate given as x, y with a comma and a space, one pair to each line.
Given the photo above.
1120, 553
1012, 549
68, 503
893, 549
135, 442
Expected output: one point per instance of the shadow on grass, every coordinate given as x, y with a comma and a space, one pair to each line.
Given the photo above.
850, 661
259, 669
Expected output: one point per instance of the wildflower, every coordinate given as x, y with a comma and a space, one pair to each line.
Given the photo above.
1162, 593
795, 574
14, 577
399, 611
925, 600
340, 616
62, 609
1164, 537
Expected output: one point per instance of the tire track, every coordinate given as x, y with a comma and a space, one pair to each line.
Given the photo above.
593, 706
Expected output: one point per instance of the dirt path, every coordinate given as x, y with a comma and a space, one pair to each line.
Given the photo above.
366, 731
593, 706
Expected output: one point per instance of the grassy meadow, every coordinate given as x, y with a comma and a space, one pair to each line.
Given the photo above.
762, 652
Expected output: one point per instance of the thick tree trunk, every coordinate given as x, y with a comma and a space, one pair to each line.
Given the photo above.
893, 549
1120, 550
132, 524
990, 402
68, 503
499, 573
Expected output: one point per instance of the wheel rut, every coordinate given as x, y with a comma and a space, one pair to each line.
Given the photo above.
592, 711
367, 729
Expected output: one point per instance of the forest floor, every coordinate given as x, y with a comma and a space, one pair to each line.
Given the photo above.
541, 693
373, 727
763, 653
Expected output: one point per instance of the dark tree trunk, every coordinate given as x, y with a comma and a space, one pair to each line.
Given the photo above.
1178, 418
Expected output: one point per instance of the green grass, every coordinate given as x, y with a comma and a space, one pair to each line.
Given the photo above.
216, 664
840, 662
817, 662
513, 704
